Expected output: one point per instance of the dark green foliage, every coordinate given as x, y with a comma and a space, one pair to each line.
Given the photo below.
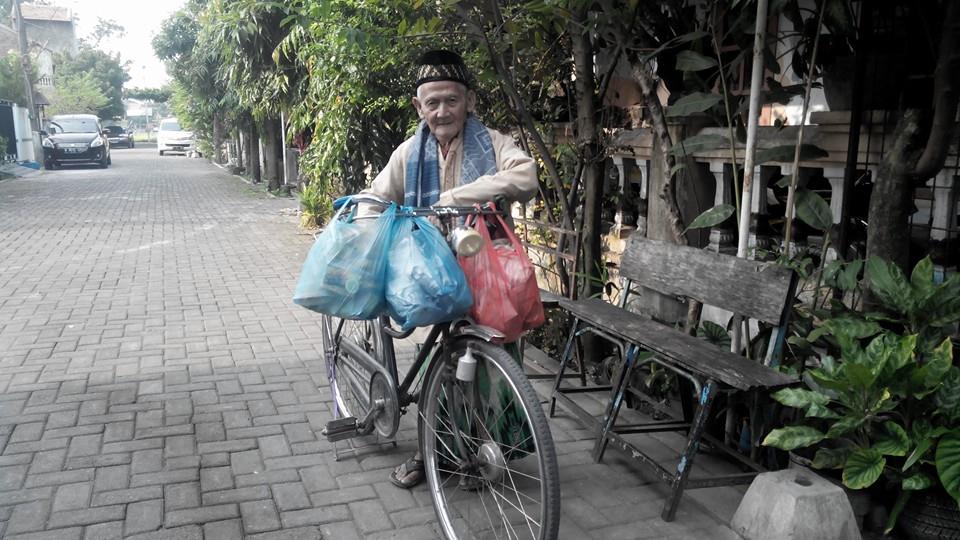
885, 397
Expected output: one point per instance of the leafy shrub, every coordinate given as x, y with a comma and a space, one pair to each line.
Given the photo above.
892, 407
316, 205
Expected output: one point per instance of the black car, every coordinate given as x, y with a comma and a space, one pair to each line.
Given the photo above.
119, 136
75, 138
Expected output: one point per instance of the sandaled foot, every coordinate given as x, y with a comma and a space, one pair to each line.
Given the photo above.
408, 474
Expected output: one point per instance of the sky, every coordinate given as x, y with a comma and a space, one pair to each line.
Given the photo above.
141, 19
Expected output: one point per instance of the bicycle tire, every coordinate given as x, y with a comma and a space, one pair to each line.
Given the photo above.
509, 484
349, 381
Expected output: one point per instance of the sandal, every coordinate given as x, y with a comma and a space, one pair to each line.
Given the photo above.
408, 474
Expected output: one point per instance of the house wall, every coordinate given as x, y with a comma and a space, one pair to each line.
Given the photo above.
47, 38
24, 132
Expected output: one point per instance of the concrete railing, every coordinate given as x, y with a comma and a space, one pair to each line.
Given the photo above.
634, 170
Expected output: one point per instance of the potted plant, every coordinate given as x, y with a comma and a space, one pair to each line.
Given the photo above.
884, 400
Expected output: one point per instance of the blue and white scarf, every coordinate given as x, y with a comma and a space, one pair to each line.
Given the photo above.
421, 183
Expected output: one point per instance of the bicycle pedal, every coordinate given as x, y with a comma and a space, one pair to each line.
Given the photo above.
340, 429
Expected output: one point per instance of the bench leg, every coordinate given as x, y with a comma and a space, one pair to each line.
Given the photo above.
690, 451
616, 400
567, 350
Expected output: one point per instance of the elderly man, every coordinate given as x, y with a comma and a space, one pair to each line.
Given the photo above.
452, 160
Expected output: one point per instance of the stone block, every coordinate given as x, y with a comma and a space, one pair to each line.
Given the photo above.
794, 505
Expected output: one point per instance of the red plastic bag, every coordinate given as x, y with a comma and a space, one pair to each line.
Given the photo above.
503, 281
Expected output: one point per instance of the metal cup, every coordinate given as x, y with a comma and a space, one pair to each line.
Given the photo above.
466, 242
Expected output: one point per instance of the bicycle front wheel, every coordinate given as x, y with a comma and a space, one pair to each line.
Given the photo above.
489, 457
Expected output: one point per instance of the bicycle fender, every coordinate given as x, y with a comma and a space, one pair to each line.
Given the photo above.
486, 333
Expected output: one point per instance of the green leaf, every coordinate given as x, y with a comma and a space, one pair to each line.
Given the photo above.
838, 18
676, 168
829, 380
821, 411
921, 280
714, 216
844, 425
889, 284
784, 153
793, 437
694, 103
784, 181
947, 398
694, 61
859, 375
917, 453
800, 398
863, 468
849, 278
943, 308
829, 458
714, 333
902, 499
937, 365
917, 482
893, 441
699, 143
902, 352
813, 210
948, 462
849, 330
831, 272
679, 40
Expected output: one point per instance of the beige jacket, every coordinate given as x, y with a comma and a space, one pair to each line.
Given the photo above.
515, 179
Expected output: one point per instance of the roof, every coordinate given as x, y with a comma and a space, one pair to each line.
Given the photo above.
46, 13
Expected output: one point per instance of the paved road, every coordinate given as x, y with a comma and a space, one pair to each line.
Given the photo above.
157, 382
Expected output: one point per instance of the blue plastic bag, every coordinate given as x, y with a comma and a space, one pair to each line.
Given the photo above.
343, 274
425, 284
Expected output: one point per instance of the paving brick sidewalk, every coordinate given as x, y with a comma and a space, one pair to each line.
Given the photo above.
157, 382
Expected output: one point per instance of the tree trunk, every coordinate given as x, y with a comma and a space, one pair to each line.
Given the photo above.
253, 152
271, 150
648, 87
217, 138
946, 93
588, 147
888, 230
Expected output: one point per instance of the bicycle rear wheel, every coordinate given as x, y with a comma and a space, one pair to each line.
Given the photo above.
344, 342
489, 457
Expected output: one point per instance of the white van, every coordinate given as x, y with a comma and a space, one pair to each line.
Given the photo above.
171, 137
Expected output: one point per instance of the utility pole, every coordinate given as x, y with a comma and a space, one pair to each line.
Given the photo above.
25, 63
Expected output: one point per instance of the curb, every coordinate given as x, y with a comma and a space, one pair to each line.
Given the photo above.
243, 178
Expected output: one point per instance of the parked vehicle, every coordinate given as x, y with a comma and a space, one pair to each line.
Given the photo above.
75, 138
171, 137
119, 136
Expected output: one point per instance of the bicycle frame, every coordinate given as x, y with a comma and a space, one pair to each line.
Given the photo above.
389, 367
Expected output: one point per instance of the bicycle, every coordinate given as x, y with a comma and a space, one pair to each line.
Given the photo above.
489, 458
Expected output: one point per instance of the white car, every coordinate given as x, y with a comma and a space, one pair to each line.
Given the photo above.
171, 137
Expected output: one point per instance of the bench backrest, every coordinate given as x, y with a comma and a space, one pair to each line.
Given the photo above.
753, 289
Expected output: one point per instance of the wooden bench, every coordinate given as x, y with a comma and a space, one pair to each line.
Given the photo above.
751, 289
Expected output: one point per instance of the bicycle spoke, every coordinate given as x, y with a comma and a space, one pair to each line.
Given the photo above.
528, 519
520, 502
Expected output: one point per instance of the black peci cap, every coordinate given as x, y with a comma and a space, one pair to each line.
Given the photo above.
442, 65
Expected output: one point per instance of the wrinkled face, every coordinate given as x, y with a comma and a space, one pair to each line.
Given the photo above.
444, 106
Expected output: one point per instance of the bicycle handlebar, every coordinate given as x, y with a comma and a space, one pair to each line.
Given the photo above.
439, 211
